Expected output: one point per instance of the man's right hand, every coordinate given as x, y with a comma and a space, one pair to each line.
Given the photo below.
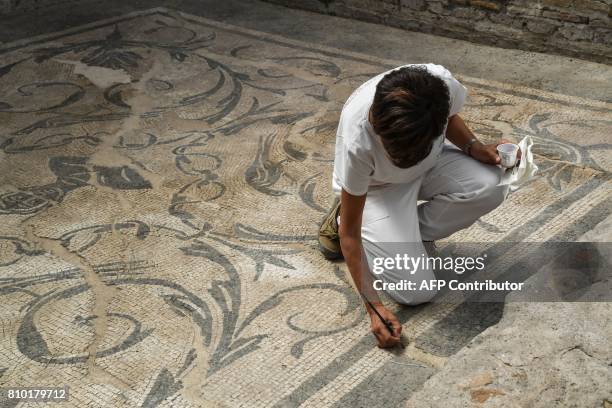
351, 212
380, 331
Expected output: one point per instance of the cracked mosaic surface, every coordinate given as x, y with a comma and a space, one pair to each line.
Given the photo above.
162, 179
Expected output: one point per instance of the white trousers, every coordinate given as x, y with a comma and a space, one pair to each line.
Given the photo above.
458, 190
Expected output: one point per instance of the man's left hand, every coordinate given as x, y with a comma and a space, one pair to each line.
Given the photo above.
487, 153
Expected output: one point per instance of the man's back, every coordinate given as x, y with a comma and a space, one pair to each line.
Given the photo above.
360, 158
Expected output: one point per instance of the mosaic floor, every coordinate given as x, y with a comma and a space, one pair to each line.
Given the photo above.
161, 181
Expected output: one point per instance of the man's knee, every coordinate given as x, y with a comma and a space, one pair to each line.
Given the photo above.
491, 197
490, 194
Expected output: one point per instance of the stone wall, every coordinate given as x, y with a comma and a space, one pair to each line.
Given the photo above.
17, 6
581, 28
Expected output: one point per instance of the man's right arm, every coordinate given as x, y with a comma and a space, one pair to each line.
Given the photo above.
351, 212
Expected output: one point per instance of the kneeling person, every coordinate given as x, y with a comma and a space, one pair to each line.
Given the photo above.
401, 140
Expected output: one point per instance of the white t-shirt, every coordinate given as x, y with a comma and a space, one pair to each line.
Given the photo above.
360, 161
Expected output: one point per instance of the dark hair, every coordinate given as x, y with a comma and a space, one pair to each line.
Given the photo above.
409, 111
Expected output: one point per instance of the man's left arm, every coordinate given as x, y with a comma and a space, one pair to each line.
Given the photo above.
462, 137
